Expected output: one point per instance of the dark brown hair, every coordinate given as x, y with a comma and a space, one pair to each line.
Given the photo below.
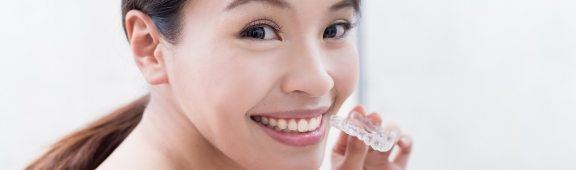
166, 15
88, 147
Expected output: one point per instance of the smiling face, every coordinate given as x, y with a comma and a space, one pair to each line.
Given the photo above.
257, 78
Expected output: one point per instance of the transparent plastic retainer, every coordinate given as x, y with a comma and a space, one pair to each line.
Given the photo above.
361, 127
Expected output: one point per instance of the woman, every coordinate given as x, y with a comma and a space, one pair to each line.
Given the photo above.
234, 84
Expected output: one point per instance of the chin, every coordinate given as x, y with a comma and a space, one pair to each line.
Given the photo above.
302, 161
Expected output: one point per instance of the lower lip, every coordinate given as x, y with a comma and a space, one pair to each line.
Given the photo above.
296, 138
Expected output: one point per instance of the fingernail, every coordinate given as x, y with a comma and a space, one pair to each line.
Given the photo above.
353, 114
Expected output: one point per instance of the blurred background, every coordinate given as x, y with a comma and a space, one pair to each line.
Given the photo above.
479, 84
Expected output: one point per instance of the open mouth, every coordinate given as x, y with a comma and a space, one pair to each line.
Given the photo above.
299, 129
295, 125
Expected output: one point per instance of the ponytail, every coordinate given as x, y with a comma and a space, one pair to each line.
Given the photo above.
87, 148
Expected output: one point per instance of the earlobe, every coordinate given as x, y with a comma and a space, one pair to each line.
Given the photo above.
146, 47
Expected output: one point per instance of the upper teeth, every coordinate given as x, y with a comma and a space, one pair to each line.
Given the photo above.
295, 125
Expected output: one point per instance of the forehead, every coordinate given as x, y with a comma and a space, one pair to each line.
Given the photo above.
297, 5
336, 4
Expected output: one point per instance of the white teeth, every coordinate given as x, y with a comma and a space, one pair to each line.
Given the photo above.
272, 122
282, 124
291, 125
313, 124
302, 125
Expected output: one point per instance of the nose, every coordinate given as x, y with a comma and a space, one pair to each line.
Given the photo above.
307, 72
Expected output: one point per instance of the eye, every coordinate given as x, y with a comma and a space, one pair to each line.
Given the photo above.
260, 31
337, 30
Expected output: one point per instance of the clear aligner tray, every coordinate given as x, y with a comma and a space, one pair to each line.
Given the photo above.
359, 126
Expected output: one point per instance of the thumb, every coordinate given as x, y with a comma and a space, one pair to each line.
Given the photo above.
355, 154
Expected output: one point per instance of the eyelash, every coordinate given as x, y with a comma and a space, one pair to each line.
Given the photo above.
347, 27
258, 23
277, 28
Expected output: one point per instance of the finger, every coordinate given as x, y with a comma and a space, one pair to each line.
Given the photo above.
342, 142
359, 109
404, 150
375, 118
355, 154
382, 157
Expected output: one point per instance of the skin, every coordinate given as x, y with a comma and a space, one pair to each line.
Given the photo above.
351, 153
205, 87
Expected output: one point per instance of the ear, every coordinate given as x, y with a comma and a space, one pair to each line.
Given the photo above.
146, 47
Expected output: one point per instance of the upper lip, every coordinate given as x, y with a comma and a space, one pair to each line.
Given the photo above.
297, 113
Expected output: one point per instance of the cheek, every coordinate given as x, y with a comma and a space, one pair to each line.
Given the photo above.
216, 88
345, 71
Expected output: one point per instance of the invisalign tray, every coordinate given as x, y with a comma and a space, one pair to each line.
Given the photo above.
361, 127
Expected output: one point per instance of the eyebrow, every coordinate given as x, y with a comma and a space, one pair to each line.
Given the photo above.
345, 4
277, 3
283, 4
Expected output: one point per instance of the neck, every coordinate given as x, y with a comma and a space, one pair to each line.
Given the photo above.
166, 139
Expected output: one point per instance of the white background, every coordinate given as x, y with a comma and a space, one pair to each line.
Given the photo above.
480, 84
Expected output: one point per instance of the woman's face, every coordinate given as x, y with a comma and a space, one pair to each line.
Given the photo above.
242, 65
